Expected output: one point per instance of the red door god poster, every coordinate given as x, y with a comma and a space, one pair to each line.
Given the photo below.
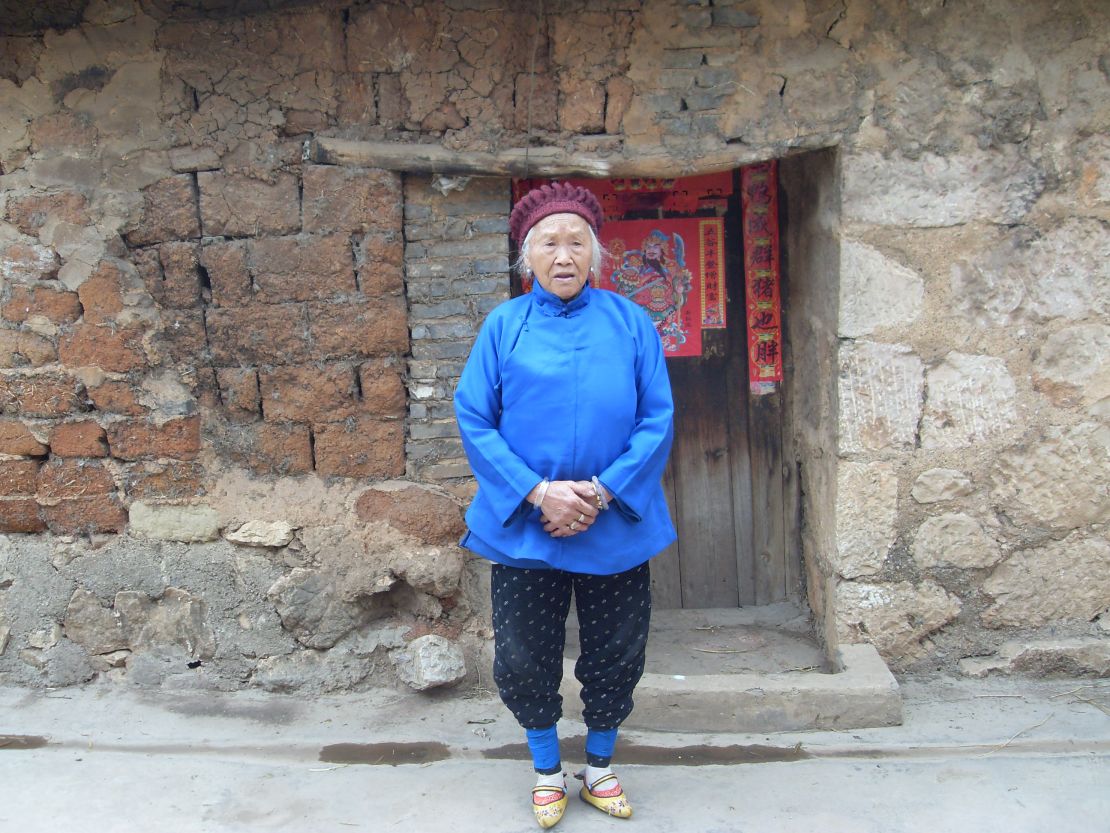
674, 269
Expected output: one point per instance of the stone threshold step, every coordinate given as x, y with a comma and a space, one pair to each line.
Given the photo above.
861, 693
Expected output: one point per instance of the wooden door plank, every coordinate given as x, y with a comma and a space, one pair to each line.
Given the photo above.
666, 581
765, 434
736, 383
702, 485
740, 462
791, 482
791, 466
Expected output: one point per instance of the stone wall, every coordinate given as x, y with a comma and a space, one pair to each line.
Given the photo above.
457, 270
227, 450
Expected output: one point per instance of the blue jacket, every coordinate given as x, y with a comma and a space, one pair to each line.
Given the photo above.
567, 390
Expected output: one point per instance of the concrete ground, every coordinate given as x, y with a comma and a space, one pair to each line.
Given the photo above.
981, 756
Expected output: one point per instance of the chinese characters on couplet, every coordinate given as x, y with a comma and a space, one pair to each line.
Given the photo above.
759, 218
714, 297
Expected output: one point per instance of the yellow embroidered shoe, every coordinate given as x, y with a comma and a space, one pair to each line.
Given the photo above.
549, 804
606, 794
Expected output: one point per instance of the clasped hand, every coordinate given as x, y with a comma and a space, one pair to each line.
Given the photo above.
569, 508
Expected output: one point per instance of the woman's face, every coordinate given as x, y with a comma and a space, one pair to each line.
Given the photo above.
559, 254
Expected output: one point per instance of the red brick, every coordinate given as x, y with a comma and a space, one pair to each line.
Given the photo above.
380, 258
270, 448
239, 392
226, 264
169, 212
361, 447
86, 515
423, 514
367, 328
60, 479
285, 449
302, 268
28, 262
149, 266
180, 287
259, 334
318, 393
20, 348
30, 213
169, 480
102, 294
109, 348
236, 206
40, 396
21, 515
183, 336
383, 390
116, 397
56, 305
351, 199
16, 438
141, 440
78, 439
19, 477
205, 388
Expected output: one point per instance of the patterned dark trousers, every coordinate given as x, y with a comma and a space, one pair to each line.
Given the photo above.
530, 610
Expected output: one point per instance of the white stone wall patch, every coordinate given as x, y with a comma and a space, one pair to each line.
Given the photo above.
875, 291
881, 392
970, 400
866, 503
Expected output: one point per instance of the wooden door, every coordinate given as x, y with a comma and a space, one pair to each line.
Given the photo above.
724, 481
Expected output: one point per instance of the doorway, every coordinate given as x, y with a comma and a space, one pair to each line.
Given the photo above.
726, 483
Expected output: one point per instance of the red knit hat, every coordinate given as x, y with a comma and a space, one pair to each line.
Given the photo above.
555, 198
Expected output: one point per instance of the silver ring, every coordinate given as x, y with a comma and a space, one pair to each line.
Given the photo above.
573, 526
582, 517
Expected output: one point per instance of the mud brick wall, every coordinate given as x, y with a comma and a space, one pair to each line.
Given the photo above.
286, 332
304, 318
227, 455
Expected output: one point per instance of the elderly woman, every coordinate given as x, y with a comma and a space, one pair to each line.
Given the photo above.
565, 412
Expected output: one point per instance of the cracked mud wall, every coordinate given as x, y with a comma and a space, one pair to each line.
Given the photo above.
201, 330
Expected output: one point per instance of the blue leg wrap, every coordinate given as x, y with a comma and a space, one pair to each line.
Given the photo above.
544, 745
599, 746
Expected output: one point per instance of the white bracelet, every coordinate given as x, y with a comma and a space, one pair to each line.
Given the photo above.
544, 484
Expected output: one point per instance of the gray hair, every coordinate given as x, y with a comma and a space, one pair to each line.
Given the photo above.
595, 256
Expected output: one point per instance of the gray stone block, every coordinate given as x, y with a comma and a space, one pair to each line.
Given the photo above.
433, 430
683, 58
738, 18
443, 309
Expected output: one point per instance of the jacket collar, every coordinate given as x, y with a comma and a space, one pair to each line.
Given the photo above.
553, 305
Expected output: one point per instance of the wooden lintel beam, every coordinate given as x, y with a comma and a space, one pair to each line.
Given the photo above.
514, 162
